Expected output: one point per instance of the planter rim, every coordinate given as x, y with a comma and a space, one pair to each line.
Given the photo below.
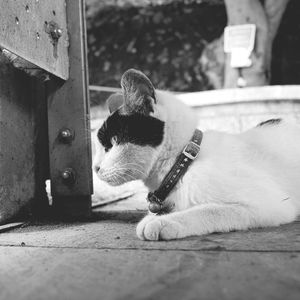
235, 96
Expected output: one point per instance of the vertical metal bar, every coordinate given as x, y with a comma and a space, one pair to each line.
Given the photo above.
69, 127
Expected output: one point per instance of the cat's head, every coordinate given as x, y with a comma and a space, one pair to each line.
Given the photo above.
131, 137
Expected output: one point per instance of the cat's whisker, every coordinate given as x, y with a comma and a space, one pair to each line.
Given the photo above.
132, 170
117, 173
124, 167
113, 176
130, 176
125, 173
131, 164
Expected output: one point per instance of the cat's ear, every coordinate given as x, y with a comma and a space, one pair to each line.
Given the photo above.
114, 101
138, 91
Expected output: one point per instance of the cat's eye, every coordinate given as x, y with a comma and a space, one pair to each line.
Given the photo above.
114, 140
107, 147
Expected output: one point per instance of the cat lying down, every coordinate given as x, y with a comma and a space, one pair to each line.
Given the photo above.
237, 181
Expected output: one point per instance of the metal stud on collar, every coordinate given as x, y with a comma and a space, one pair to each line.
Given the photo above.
155, 204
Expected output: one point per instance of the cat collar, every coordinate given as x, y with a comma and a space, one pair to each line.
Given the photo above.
183, 161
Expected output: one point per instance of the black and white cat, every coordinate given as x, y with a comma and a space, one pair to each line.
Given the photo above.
237, 182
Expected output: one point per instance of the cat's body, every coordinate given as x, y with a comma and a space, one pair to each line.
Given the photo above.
237, 182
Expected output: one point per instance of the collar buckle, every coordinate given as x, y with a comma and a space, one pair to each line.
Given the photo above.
191, 150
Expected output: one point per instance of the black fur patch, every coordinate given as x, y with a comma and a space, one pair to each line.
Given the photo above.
136, 128
269, 122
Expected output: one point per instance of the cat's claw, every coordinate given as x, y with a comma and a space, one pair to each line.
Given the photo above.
154, 228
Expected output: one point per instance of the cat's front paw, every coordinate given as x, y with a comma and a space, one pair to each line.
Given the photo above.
154, 228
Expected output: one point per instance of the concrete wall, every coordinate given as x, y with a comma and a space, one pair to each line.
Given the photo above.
237, 110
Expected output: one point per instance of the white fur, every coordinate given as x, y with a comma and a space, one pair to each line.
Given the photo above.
237, 182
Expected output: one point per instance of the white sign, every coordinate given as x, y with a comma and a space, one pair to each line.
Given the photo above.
239, 41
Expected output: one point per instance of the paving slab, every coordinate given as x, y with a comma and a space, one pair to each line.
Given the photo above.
103, 259
116, 234
46, 274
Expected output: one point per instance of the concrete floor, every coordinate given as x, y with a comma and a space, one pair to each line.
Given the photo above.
103, 259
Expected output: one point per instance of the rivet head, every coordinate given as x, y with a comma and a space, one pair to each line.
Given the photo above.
66, 135
59, 32
68, 176
56, 33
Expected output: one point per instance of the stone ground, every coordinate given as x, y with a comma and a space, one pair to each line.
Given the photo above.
103, 259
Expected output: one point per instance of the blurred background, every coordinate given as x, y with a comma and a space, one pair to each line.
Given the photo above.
176, 43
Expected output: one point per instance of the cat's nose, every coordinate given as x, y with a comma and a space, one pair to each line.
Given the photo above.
97, 169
